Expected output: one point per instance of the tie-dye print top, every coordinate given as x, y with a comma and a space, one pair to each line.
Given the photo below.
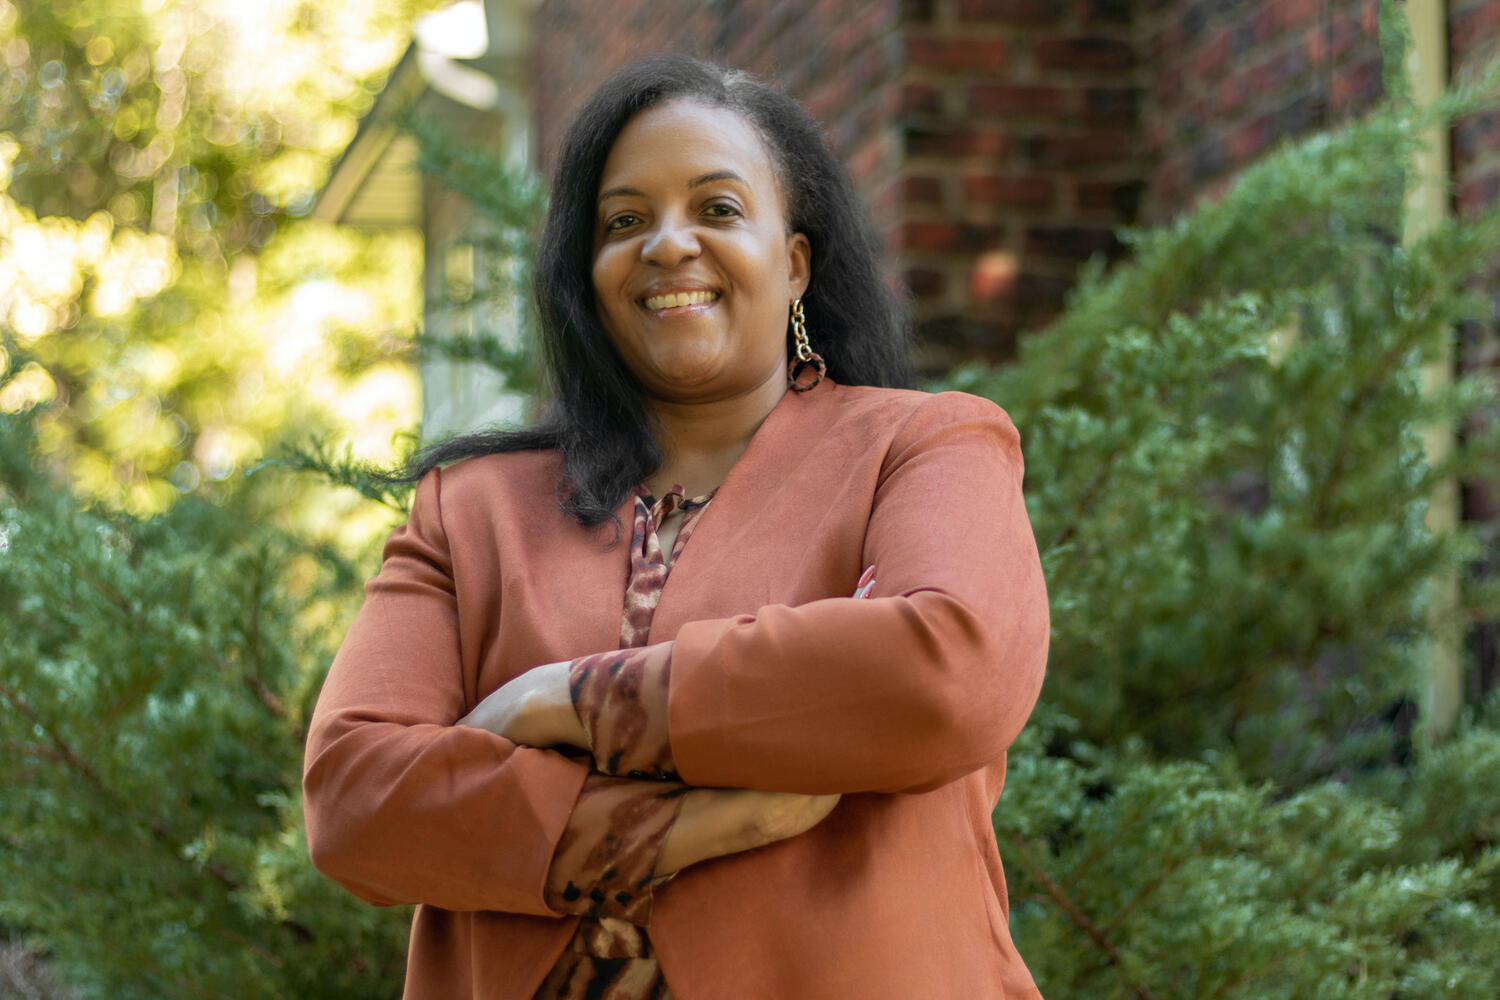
603, 868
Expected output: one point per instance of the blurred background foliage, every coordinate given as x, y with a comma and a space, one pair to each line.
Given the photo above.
175, 309
1226, 792
168, 318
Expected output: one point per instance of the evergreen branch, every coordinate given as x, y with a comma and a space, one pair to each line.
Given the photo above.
64, 754
68, 757
164, 974
1362, 399
510, 195
364, 478
515, 365
1086, 500
35, 750
1103, 849
267, 697
1151, 885
1248, 974
1080, 919
257, 679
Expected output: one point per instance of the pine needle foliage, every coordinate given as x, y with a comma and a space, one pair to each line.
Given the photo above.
154, 680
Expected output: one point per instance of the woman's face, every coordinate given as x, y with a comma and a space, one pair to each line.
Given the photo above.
694, 269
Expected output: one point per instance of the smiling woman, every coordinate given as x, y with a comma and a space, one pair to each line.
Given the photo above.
752, 752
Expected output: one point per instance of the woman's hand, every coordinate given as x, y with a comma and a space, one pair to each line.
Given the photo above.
534, 710
719, 821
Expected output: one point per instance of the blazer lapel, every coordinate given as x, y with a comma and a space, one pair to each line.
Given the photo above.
718, 573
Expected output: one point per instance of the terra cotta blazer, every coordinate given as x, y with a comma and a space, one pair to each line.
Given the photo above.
905, 702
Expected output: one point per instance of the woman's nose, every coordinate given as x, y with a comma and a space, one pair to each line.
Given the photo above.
671, 243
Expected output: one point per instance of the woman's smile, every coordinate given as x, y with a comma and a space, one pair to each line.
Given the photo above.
678, 303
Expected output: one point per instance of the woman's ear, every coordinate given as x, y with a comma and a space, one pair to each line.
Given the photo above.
799, 263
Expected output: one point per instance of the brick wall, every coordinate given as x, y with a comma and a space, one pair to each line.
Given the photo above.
1474, 41
1228, 79
1020, 161
837, 57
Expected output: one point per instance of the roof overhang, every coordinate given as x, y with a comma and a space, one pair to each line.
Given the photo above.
469, 57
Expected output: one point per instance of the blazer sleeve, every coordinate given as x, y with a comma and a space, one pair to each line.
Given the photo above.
402, 806
929, 679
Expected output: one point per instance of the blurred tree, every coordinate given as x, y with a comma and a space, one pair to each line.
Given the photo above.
148, 154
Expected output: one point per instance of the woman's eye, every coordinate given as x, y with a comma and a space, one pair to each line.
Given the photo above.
721, 210
620, 222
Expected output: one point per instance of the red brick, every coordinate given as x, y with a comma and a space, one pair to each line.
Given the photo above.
1077, 150
961, 54
1084, 53
1356, 89
1263, 22
1477, 27
1250, 138
922, 190
928, 236
1212, 57
1291, 13
1010, 192
1231, 94
1279, 71
1158, 45
1478, 194
1009, 98
919, 98
1014, 11
1347, 34
953, 141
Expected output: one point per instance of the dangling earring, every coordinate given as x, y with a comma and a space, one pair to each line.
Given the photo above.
805, 354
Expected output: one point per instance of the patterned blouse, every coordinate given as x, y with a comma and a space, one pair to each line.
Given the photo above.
604, 867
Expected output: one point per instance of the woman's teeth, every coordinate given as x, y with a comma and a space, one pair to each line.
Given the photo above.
675, 299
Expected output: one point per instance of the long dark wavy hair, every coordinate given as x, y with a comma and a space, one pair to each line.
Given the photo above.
598, 416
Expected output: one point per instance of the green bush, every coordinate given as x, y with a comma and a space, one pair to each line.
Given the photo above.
154, 680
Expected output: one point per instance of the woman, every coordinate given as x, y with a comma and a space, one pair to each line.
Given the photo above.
753, 752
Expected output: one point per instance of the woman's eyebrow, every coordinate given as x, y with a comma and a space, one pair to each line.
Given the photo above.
715, 175
617, 191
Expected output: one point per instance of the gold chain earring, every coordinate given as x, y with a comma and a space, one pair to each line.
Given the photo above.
805, 355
